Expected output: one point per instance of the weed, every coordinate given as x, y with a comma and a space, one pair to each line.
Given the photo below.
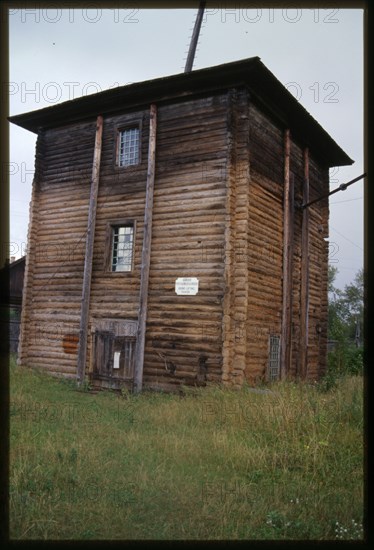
353, 530
218, 464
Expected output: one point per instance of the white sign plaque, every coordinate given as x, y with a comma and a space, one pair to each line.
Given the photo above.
187, 286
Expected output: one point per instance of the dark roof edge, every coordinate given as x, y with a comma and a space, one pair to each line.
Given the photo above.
181, 81
251, 72
302, 124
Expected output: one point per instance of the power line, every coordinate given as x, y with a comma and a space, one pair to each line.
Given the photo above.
346, 238
348, 200
349, 268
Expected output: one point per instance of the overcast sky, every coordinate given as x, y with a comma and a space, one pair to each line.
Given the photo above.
56, 55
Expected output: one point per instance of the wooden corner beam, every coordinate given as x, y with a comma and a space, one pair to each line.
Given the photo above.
86, 288
304, 293
146, 252
288, 214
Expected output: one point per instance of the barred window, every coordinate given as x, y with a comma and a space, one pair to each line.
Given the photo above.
122, 247
274, 358
128, 147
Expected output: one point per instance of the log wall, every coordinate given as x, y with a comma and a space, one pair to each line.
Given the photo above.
218, 216
184, 333
265, 236
265, 232
56, 244
236, 297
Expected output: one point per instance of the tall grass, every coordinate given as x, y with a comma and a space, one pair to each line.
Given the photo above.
215, 464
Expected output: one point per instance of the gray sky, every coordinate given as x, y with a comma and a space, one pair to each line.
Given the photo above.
56, 55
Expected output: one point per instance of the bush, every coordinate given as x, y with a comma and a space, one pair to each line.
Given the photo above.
354, 361
344, 360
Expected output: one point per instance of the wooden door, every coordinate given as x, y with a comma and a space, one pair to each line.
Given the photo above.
103, 353
113, 356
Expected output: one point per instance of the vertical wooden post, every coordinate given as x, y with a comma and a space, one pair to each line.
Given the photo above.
86, 289
194, 39
288, 210
146, 252
304, 294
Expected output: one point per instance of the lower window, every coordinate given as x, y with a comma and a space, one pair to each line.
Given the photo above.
122, 247
274, 358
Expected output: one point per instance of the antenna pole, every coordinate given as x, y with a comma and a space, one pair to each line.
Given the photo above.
194, 38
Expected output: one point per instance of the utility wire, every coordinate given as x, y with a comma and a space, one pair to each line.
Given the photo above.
346, 238
348, 200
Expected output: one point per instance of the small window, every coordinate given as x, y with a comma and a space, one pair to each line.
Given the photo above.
128, 146
274, 358
122, 247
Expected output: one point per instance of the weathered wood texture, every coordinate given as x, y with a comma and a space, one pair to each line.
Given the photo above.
235, 314
265, 240
90, 240
265, 251
187, 241
146, 251
217, 216
187, 238
304, 283
287, 263
56, 244
317, 266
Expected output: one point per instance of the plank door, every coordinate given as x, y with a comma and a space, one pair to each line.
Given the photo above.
114, 356
103, 353
124, 357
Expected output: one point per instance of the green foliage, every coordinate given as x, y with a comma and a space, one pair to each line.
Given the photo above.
345, 324
346, 307
354, 361
218, 464
345, 360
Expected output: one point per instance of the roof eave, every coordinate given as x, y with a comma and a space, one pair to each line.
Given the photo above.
252, 73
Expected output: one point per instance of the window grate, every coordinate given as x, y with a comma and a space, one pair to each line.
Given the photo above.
122, 248
124, 354
274, 358
128, 147
128, 350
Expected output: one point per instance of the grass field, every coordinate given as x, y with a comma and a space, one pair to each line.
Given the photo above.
216, 464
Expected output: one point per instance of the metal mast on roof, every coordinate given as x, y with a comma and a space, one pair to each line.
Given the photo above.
194, 38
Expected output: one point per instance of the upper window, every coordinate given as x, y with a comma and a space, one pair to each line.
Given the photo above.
122, 247
128, 146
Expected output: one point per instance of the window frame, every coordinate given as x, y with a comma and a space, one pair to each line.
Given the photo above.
274, 357
108, 259
128, 125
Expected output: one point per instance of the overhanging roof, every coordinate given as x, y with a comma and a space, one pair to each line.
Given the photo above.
264, 88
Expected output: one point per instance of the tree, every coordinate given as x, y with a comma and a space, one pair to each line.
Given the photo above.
354, 305
346, 307
345, 322
336, 315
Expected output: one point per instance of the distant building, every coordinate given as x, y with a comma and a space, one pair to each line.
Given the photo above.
12, 275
